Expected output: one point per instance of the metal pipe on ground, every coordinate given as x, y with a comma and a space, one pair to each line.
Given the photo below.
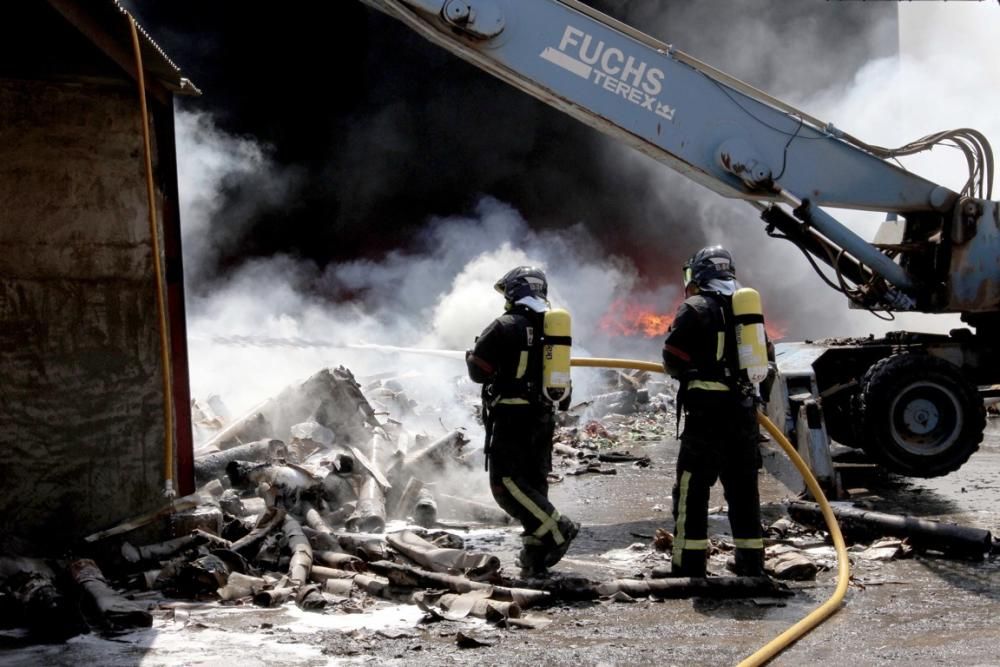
321, 574
924, 535
114, 611
481, 607
302, 555
383, 588
700, 587
365, 548
473, 510
398, 502
369, 515
213, 465
406, 575
339, 560
429, 555
274, 597
267, 522
241, 586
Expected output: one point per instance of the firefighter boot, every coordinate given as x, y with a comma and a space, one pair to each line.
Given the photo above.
531, 558
749, 563
691, 563
569, 530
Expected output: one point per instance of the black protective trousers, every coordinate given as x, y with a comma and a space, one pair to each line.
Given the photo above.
520, 461
719, 442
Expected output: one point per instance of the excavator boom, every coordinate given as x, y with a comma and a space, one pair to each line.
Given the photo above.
716, 130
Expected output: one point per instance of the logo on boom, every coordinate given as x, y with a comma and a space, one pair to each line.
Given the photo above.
609, 68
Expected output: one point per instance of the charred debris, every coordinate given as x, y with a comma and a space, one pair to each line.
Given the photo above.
321, 497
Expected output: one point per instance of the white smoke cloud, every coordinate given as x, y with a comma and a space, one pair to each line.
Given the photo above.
273, 321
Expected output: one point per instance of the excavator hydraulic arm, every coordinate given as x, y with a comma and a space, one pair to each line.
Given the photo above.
741, 143
718, 131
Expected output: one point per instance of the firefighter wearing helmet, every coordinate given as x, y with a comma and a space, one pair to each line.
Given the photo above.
515, 359
718, 396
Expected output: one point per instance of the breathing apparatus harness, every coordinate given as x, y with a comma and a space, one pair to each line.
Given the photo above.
726, 372
542, 380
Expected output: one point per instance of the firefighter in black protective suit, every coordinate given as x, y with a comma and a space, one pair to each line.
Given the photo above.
519, 421
721, 437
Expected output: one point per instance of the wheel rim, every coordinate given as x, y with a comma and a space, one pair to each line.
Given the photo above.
925, 418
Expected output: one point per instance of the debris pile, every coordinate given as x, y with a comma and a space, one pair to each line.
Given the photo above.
626, 393
323, 443
295, 498
633, 410
292, 505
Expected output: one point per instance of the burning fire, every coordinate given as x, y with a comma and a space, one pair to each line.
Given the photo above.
634, 319
775, 330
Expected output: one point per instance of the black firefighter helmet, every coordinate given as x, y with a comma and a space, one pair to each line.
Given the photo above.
521, 282
708, 264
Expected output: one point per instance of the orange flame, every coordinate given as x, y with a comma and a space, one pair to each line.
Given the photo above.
775, 330
635, 319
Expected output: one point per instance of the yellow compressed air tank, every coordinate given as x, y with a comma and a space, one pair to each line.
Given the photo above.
751, 343
556, 383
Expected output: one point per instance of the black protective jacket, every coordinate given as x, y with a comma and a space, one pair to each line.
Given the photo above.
700, 349
507, 358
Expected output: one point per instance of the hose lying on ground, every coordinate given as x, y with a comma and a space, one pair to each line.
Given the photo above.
818, 615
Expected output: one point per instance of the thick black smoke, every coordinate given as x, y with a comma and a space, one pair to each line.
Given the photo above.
374, 130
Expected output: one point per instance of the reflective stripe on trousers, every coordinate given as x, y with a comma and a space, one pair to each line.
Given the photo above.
748, 543
549, 522
681, 541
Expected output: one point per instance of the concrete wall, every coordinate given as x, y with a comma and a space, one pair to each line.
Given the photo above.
81, 422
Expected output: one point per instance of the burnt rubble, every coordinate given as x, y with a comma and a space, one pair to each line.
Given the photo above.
294, 500
632, 409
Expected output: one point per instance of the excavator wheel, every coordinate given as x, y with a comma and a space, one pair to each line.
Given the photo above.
919, 415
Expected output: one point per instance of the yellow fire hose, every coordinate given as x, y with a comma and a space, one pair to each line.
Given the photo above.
168, 413
818, 615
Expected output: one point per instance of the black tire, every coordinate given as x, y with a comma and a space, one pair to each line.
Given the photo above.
920, 416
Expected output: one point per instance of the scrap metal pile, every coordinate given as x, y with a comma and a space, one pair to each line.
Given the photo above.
294, 500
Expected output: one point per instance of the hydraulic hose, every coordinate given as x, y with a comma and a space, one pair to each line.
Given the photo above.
818, 615
168, 413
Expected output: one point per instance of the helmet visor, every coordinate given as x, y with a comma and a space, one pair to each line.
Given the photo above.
688, 275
